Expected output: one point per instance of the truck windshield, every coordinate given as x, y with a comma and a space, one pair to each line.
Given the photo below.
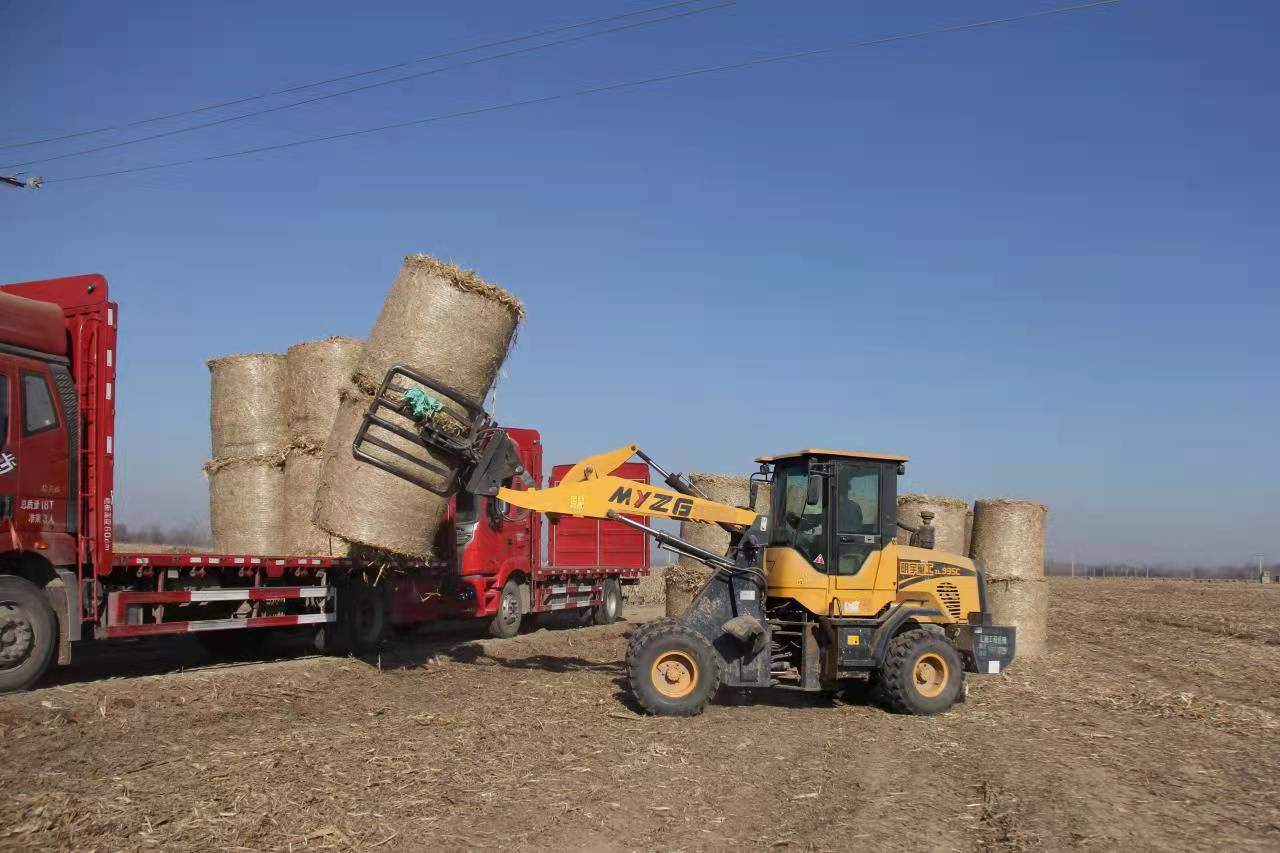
792, 522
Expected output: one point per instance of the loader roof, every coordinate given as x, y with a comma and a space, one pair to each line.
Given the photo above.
818, 451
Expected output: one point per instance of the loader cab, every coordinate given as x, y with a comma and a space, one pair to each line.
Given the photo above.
832, 514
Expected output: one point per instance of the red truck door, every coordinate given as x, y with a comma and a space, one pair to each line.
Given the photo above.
40, 454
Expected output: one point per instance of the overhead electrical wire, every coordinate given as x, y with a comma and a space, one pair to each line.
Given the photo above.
610, 87
353, 75
329, 95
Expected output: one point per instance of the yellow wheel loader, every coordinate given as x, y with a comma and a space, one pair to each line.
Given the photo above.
814, 595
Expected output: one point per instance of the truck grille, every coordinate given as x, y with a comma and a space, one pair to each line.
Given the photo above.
950, 598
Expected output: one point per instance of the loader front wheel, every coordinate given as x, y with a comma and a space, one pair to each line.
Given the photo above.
672, 669
922, 673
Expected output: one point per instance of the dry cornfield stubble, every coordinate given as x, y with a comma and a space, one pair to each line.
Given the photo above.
1153, 724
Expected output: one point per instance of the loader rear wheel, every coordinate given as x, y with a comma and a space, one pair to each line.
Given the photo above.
28, 633
922, 673
672, 669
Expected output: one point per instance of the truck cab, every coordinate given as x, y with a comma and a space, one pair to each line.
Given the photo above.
57, 341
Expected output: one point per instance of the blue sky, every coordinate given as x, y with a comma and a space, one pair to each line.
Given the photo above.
1040, 259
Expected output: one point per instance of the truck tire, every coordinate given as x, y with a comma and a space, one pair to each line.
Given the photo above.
610, 608
922, 673
672, 669
506, 622
364, 616
28, 633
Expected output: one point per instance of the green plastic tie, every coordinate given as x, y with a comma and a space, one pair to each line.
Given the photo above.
421, 404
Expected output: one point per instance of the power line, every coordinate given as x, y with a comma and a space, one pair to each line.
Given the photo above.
611, 87
393, 80
365, 73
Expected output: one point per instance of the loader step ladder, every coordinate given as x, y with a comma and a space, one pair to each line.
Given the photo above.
124, 613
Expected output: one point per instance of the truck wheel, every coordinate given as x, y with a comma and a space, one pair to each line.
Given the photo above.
363, 615
610, 608
672, 669
922, 673
28, 633
506, 622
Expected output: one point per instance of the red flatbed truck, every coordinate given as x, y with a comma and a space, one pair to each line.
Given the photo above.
62, 581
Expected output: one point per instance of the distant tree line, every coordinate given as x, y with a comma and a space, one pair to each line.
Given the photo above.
190, 533
1240, 571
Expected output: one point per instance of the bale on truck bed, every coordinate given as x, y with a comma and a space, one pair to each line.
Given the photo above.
318, 371
447, 323
948, 520
246, 504
249, 434
1008, 539
247, 405
686, 577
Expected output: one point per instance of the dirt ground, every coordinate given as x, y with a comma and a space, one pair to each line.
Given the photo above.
1154, 725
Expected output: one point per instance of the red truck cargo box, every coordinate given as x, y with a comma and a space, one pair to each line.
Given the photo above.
575, 542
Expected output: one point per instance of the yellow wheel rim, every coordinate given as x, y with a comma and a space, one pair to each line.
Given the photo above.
674, 674
931, 674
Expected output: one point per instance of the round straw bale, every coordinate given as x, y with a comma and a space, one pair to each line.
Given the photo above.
367, 506
721, 488
682, 582
446, 322
948, 520
449, 324
301, 481
687, 576
317, 373
1024, 604
246, 504
247, 405
650, 590
1008, 537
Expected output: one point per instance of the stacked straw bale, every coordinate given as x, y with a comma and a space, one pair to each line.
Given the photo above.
249, 430
687, 576
948, 520
317, 372
1008, 539
449, 324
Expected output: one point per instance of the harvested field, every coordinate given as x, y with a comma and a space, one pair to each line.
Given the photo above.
1153, 724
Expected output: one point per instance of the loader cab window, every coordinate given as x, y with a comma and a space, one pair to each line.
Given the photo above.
38, 413
858, 490
793, 521
857, 515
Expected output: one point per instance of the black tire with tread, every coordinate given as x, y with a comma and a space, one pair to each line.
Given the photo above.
665, 635
44, 626
895, 683
601, 615
364, 616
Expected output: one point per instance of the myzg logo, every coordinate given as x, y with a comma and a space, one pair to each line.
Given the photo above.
8, 462
635, 499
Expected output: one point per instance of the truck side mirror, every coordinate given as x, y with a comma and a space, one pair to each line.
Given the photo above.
813, 490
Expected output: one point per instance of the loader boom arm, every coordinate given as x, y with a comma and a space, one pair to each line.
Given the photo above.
590, 490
